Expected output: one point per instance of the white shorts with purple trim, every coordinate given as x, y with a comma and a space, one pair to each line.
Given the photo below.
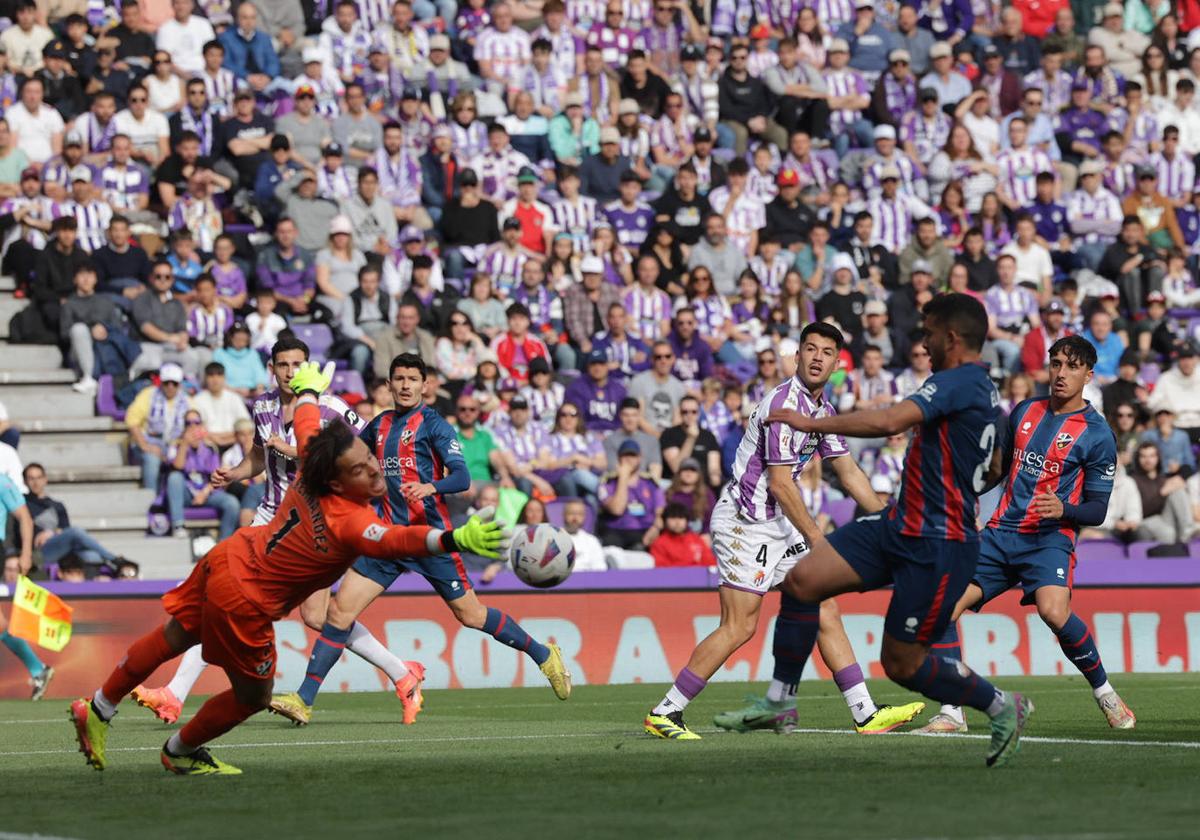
753, 556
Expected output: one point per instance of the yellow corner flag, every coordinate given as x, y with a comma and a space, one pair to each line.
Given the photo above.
40, 616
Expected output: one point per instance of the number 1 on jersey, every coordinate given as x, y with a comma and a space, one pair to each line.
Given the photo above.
291, 522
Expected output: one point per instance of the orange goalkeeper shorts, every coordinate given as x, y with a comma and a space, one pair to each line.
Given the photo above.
233, 633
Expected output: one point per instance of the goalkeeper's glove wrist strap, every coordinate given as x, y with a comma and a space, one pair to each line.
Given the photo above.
441, 542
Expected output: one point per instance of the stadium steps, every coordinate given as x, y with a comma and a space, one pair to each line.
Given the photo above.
9, 306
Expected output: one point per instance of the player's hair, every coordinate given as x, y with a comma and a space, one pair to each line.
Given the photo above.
286, 343
408, 360
1076, 348
319, 469
825, 331
961, 313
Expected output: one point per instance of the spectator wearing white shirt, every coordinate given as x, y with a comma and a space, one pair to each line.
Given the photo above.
37, 129
146, 128
589, 554
219, 407
502, 50
744, 213
1093, 214
24, 42
1180, 113
1034, 265
183, 37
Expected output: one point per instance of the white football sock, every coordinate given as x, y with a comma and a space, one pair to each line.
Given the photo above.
858, 698
371, 649
778, 691
955, 712
175, 745
998, 703
675, 701
103, 705
1100, 691
190, 668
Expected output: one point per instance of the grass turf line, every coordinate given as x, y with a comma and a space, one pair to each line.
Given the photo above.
508, 763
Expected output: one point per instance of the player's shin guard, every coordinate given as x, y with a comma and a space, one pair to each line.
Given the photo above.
191, 666
952, 682
363, 643
795, 634
327, 650
501, 627
22, 650
948, 646
1079, 646
218, 715
143, 656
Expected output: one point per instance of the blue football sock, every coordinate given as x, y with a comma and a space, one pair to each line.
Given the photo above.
501, 627
948, 646
951, 683
327, 650
1079, 646
795, 634
24, 652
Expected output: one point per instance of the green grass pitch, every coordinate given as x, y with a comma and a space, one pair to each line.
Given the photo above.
518, 763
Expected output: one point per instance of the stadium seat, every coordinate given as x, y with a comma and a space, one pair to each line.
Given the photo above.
1150, 373
554, 513
106, 399
318, 337
347, 382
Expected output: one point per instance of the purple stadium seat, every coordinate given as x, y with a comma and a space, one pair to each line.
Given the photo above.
840, 511
1150, 373
106, 399
195, 514
554, 513
348, 381
318, 337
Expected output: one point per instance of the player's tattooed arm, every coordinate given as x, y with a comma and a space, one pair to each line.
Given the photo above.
880, 422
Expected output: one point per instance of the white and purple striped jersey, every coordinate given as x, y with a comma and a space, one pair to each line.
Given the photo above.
762, 186
647, 310
844, 82
371, 13
498, 172
636, 146
92, 218
58, 171
41, 209
747, 217
1095, 217
700, 94
220, 88
583, 13
597, 96
201, 217
1176, 177
469, 140
816, 172
833, 13
345, 52
281, 470
563, 445
405, 49
203, 124
758, 62
927, 136
566, 48
339, 184
525, 444
96, 137
576, 218
508, 53
712, 313
208, 328
1019, 169
670, 135
399, 177
549, 88
544, 405
1119, 178
763, 446
770, 275
614, 44
631, 224
123, 186
503, 266
894, 220
1146, 129
1010, 307
662, 45
911, 182
1056, 92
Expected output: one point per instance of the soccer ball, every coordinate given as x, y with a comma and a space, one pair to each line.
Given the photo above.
542, 555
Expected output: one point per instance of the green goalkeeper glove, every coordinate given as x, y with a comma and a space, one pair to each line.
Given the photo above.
482, 535
311, 378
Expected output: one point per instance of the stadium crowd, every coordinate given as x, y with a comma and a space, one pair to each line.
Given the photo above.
604, 224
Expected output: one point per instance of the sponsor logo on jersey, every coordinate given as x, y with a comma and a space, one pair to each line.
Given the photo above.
1064, 440
1026, 426
395, 465
737, 546
406, 436
927, 391
1035, 462
793, 550
264, 667
374, 532
455, 447
1110, 472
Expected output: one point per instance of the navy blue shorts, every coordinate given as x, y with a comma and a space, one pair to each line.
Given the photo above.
929, 575
1008, 559
444, 572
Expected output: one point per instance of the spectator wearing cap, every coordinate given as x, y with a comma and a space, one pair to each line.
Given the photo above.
335, 180
600, 174
504, 259
894, 212
1152, 334
535, 217
597, 393
1094, 215
950, 86
586, 303
905, 304
869, 40
788, 218
893, 344
573, 135
312, 213
746, 105
843, 304
468, 225
924, 133
849, 95
414, 122
699, 90
524, 449
56, 172
1019, 51
63, 91
308, 131
722, 258
439, 75
25, 41
36, 127
913, 38
155, 418
249, 53
1178, 390
888, 156
630, 503
1035, 347
1156, 211
1123, 47
709, 172
274, 171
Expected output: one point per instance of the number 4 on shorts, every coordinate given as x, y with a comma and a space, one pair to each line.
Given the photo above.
761, 557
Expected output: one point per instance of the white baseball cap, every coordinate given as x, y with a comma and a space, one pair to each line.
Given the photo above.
170, 372
592, 264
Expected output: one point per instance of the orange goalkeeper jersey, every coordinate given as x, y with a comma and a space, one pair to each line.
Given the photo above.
312, 540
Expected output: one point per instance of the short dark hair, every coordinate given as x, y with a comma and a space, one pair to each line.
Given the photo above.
319, 469
32, 465
64, 223
85, 267
963, 314
286, 343
408, 360
629, 402
1076, 348
825, 331
675, 510
214, 369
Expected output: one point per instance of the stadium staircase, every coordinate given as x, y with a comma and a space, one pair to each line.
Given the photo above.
85, 455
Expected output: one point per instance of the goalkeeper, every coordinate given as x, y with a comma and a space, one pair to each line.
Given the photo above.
258, 575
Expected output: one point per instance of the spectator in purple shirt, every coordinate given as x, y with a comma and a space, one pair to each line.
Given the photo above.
288, 270
630, 503
693, 356
597, 394
194, 459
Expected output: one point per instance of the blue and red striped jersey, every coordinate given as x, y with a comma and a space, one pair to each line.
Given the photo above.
946, 464
416, 447
1067, 454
